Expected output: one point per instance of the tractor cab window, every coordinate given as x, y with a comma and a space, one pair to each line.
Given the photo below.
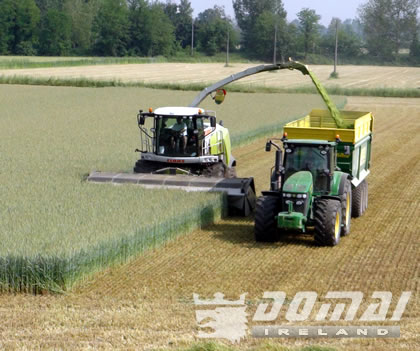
175, 136
312, 158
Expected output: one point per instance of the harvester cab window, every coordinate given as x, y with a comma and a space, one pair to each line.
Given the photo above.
174, 137
312, 158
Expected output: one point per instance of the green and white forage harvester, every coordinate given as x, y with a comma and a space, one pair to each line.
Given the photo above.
318, 181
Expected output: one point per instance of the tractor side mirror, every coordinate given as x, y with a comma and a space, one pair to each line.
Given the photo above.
213, 121
141, 120
268, 146
220, 96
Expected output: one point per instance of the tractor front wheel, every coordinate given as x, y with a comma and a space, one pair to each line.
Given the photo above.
328, 219
265, 222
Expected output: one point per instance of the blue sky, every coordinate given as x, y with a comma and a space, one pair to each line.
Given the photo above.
325, 8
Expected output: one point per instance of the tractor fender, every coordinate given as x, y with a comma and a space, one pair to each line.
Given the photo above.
343, 180
339, 181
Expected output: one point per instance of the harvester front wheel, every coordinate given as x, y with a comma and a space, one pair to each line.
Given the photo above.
231, 172
328, 219
216, 170
265, 229
346, 207
142, 166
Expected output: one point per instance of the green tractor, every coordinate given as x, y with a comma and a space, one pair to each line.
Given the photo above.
320, 183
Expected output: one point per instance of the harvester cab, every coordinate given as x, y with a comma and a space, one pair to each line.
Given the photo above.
184, 140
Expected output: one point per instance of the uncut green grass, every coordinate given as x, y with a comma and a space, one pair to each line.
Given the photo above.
54, 227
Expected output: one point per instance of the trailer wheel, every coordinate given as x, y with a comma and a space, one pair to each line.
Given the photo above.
265, 224
346, 207
328, 219
357, 205
365, 195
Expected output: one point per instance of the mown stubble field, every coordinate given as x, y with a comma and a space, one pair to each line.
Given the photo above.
190, 73
147, 303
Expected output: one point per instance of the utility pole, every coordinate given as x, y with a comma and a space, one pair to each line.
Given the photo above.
227, 48
336, 47
192, 37
275, 44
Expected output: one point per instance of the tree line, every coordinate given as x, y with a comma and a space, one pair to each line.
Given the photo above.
151, 28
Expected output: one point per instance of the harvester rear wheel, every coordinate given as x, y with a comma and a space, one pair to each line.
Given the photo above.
328, 219
358, 196
346, 207
265, 228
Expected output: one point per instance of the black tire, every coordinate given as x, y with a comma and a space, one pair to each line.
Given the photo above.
346, 207
328, 219
231, 172
357, 205
265, 228
216, 170
142, 166
365, 195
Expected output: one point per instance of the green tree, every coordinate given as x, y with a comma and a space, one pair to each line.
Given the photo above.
81, 14
212, 29
258, 20
309, 27
349, 44
388, 26
7, 19
181, 18
110, 28
151, 33
18, 26
55, 39
415, 48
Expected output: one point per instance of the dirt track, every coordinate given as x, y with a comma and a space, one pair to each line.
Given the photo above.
350, 76
148, 302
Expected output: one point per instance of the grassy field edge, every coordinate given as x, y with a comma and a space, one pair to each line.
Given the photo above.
55, 274
93, 83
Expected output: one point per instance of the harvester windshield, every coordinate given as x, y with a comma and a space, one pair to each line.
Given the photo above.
311, 158
179, 136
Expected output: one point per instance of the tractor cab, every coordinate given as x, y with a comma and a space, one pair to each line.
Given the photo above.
318, 158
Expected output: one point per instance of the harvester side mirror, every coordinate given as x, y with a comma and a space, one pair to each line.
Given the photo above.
268, 146
213, 121
219, 97
141, 120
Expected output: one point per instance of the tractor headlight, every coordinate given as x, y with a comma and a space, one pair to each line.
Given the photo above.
304, 196
299, 196
287, 195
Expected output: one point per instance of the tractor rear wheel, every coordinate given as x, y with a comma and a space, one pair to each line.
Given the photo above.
328, 219
265, 223
357, 206
346, 207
